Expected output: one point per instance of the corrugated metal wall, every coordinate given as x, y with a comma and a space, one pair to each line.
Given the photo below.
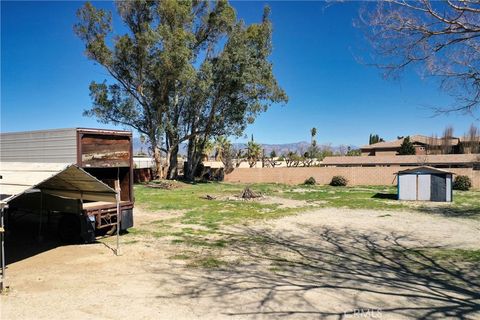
39, 146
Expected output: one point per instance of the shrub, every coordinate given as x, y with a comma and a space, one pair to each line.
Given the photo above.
462, 183
310, 181
338, 181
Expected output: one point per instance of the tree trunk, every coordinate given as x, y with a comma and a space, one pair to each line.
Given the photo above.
158, 162
173, 163
193, 165
188, 172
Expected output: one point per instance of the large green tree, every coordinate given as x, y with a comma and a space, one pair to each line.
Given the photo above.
184, 71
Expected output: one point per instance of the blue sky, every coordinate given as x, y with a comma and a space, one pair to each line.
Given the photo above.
45, 76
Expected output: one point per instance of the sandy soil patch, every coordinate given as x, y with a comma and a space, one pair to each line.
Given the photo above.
144, 216
327, 263
281, 202
421, 228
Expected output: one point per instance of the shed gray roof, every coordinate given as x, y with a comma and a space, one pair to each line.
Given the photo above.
58, 179
424, 169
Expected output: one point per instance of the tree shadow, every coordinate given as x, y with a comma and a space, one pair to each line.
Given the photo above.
388, 196
452, 211
324, 273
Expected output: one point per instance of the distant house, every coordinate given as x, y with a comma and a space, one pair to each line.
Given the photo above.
423, 145
437, 161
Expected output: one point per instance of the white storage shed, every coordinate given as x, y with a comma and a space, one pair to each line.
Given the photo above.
425, 184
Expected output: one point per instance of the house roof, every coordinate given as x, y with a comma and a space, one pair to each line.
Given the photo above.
58, 179
405, 160
414, 139
424, 169
469, 139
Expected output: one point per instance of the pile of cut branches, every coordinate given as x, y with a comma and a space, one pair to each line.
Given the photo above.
247, 194
163, 184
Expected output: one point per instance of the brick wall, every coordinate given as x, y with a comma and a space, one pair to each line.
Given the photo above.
323, 175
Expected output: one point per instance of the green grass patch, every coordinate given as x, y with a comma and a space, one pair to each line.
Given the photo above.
137, 231
211, 214
156, 233
207, 262
456, 255
441, 254
200, 224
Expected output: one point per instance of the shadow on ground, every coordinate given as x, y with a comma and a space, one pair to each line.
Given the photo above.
388, 196
453, 211
322, 273
25, 238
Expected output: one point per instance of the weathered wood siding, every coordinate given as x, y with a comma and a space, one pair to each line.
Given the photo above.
102, 151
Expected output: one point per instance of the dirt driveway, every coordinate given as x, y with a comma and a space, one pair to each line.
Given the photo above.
330, 263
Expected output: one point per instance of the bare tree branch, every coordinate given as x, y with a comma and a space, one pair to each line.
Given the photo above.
440, 38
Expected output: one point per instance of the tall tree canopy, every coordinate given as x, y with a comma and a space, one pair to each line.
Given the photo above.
442, 38
407, 147
184, 71
374, 138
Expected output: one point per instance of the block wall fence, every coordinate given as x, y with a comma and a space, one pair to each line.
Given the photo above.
323, 175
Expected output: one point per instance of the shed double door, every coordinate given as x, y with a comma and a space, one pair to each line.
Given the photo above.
416, 187
425, 187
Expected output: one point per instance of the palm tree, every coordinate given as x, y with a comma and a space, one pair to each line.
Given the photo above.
207, 150
254, 152
313, 132
221, 145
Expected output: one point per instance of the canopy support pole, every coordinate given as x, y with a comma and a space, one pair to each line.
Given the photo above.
117, 198
3, 205
118, 223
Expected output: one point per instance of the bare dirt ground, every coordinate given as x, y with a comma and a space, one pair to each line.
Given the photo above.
329, 263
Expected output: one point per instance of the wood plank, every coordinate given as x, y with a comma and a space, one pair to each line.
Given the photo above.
105, 148
95, 163
106, 156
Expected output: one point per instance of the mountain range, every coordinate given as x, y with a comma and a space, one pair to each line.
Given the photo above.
282, 148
